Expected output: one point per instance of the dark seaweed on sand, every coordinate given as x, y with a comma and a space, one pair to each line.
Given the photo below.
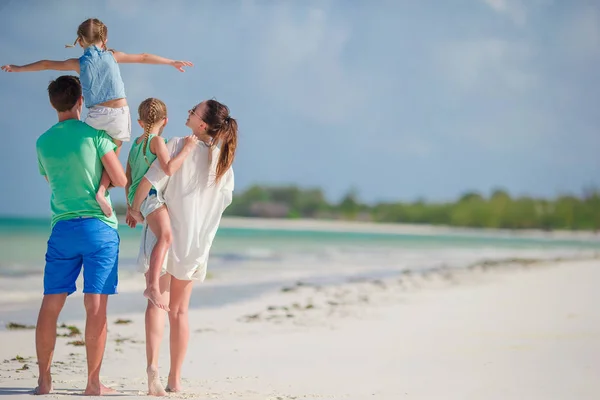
15, 326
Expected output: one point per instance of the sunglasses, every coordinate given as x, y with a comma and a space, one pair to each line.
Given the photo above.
193, 111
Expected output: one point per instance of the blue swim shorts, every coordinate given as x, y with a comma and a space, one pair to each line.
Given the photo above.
78, 242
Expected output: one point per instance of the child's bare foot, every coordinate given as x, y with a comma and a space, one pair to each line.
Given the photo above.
153, 294
103, 202
154, 386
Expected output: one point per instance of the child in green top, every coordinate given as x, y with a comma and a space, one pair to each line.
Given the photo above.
144, 151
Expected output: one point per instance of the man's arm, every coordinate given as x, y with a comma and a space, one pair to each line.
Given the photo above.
113, 166
71, 64
128, 175
41, 168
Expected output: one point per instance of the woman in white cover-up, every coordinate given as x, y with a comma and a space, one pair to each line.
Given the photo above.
196, 197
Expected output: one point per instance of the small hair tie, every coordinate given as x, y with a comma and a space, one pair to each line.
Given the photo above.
72, 45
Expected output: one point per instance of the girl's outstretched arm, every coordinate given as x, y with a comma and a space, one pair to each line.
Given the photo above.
72, 64
146, 58
167, 164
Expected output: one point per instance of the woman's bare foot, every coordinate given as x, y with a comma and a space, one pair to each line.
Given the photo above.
153, 294
103, 202
98, 390
174, 385
154, 386
173, 389
44, 386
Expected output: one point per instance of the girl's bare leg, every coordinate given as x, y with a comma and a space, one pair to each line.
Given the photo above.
160, 224
105, 185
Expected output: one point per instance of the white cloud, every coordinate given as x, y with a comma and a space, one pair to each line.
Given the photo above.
488, 66
581, 34
513, 9
415, 145
129, 7
300, 65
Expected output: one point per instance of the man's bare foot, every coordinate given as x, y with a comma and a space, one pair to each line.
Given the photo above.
44, 386
98, 390
103, 202
154, 386
153, 294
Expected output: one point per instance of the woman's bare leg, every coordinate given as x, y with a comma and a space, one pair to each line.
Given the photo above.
180, 331
155, 326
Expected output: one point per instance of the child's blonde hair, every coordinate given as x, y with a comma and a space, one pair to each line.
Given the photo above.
150, 112
91, 31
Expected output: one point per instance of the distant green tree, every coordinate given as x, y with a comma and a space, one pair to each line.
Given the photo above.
350, 206
472, 209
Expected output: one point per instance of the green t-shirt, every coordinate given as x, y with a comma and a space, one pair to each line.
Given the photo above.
69, 156
138, 164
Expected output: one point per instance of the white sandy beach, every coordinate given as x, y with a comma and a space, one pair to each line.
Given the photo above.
502, 332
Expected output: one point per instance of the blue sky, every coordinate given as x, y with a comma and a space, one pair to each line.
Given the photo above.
400, 99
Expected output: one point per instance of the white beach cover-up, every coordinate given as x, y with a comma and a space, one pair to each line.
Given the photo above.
195, 204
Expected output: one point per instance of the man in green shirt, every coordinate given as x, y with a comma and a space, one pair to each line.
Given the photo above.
71, 156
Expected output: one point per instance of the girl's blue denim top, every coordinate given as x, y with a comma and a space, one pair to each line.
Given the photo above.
100, 77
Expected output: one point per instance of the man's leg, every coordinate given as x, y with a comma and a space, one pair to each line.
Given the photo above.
45, 338
100, 278
95, 341
63, 265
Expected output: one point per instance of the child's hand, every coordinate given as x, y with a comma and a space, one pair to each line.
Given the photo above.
129, 219
179, 65
191, 141
137, 216
10, 68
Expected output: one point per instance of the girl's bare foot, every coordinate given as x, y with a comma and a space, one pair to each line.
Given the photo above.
103, 202
153, 294
154, 386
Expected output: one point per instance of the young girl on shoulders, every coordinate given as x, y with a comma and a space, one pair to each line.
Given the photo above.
103, 89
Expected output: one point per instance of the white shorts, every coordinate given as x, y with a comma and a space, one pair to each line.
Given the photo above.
147, 244
150, 205
115, 121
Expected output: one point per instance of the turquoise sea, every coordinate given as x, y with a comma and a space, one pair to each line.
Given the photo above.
23, 244
247, 261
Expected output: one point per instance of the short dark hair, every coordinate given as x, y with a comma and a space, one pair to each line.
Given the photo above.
64, 92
